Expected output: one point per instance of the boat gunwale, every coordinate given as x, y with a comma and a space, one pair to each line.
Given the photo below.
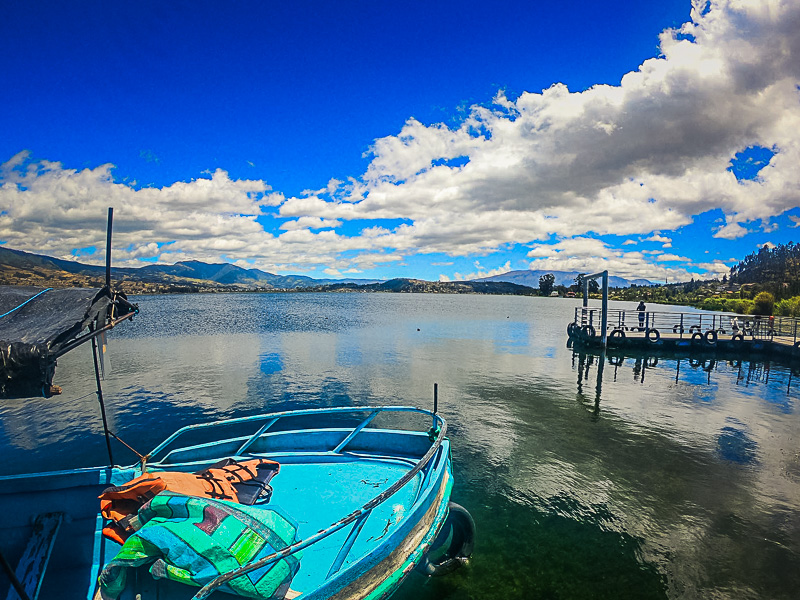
278, 452
437, 423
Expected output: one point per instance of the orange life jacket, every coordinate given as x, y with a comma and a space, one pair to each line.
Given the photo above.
120, 504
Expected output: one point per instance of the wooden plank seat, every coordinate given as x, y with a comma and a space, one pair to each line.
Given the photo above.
33, 564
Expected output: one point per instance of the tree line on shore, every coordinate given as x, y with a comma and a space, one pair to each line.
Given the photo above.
766, 282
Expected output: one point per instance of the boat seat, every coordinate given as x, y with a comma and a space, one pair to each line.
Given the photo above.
33, 564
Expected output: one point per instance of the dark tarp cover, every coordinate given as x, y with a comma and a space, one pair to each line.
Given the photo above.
35, 324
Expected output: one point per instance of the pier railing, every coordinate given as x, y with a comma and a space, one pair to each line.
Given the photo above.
686, 324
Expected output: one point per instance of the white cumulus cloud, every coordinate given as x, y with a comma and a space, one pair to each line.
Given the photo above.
637, 159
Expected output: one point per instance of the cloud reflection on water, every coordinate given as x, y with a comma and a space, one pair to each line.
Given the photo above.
588, 476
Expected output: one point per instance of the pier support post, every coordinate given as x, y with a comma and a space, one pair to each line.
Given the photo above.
605, 308
604, 305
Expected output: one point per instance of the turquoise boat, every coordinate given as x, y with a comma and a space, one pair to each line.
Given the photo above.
349, 501
368, 505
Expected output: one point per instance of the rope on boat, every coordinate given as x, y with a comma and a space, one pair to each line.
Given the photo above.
121, 441
24, 303
79, 398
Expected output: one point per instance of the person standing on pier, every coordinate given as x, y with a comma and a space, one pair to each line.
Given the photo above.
641, 308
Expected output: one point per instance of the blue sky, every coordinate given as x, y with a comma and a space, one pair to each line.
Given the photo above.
432, 140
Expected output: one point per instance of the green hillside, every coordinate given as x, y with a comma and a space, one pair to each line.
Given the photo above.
772, 269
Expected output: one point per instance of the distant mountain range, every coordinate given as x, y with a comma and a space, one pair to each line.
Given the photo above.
419, 286
24, 268
567, 278
191, 273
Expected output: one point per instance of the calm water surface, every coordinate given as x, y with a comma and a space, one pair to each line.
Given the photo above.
588, 477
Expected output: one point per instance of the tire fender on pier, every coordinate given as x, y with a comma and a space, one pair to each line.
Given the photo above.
711, 337
653, 335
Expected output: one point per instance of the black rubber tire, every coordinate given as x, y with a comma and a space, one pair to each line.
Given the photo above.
656, 335
461, 525
710, 337
737, 337
588, 332
697, 337
572, 329
616, 335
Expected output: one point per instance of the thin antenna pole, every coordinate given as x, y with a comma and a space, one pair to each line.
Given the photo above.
100, 399
108, 246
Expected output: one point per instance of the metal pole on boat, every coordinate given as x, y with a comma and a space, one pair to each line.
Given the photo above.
100, 399
12, 577
108, 247
435, 408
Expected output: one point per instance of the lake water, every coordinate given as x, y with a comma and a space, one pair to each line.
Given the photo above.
587, 477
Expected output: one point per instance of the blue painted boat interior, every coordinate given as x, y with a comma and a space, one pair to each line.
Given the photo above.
318, 494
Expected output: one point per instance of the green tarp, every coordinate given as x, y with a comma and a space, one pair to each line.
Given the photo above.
193, 540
